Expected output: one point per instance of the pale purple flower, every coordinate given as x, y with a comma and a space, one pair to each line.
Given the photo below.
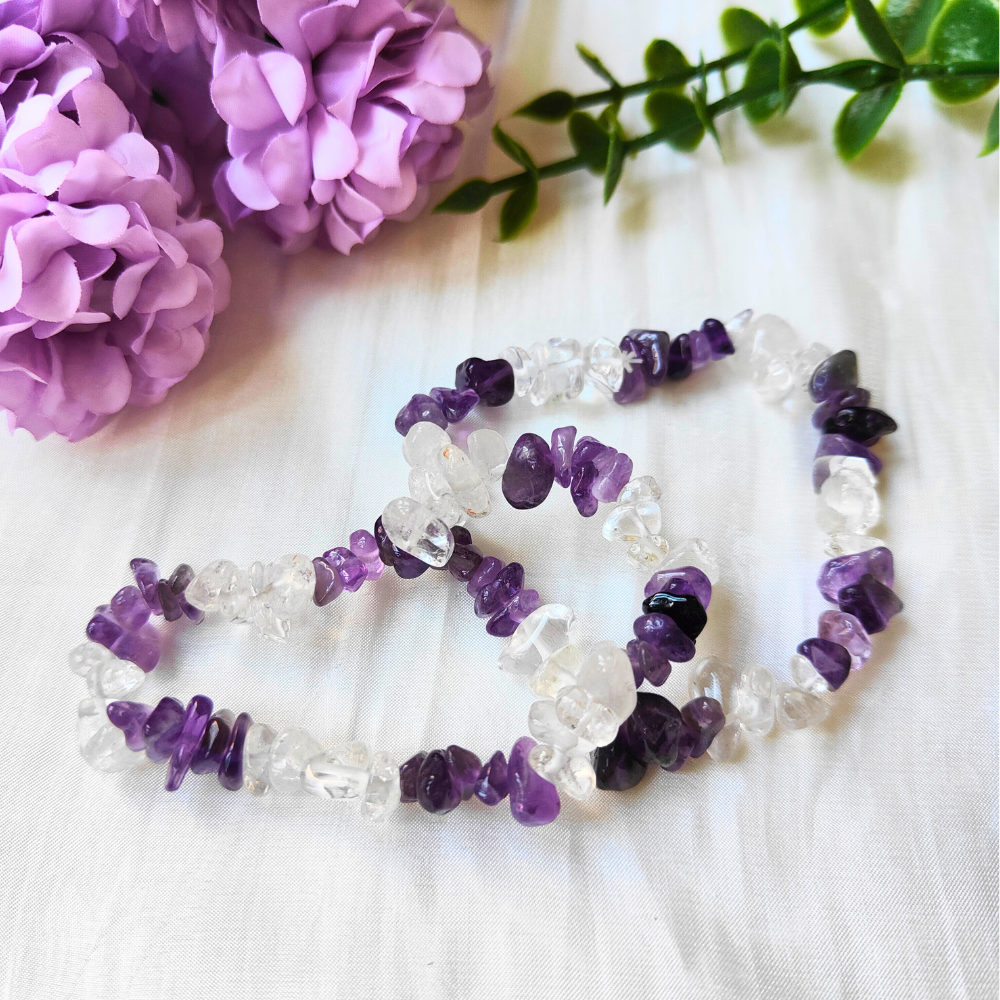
349, 121
180, 23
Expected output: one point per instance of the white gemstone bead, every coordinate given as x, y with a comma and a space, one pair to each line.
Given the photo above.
648, 553
571, 705
797, 709
267, 621
829, 465
773, 376
737, 328
712, 678
769, 335
546, 760
459, 471
545, 726
606, 675
117, 678
291, 583
848, 503
204, 590
341, 772
430, 488
106, 751
604, 365
576, 778
755, 703
727, 743
640, 489
805, 676
807, 361
525, 368
256, 757
88, 655
489, 454
629, 522
234, 598
258, 577
544, 631
383, 793
557, 672
91, 715
599, 725
847, 544
288, 756
560, 370
423, 444
417, 531
694, 552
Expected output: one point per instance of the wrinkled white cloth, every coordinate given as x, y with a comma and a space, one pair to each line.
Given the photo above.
858, 860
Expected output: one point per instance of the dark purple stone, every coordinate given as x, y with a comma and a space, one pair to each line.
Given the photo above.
162, 729
129, 717
829, 407
679, 358
329, 585
842, 571
530, 472
718, 339
386, 550
408, 567
438, 788
456, 404
648, 663
838, 373
562, 453
492, 380
614, 472
461, 534
616, 765
129, 608
837, 444
487, 572
664, 633
705, 718
581, 488
231, 767
654, 346
491, 786
465, 766
863, 424
504, 623
408, 777
464, 561
586, 450
701, 350
633, 387
496, 595
349, 567
831, 660
417, 410
103, 628
533, 800
654, 729
685, 609
147, 576
180, 578
682, 580
168, 601
208, 757
871, 602
141, 647
196, 716
685, 744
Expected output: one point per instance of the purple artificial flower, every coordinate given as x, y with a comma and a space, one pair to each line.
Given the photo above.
180, 23
349, 120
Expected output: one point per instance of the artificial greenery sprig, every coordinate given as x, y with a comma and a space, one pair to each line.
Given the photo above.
958, 40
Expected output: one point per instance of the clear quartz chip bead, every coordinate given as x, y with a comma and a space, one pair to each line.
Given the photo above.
546, 761
102, 744
423, 443
204, 590
829, 465
291, 583
606, 675
417, 531
489, 454
737, 328
805, 676
576, 778
91, 714
85, 658
713, 678
557, 672
635, 521
287, 758
383, 792
545, 726
605, 365
797, 709
845, 544
267, 622
341, 773
694, 552
560, 370
848, 502
773, 346
807, 360
235, 596
755, 701
464, 481
430, 488
727, 743
541, 634
525, 368
256, 759
116, 678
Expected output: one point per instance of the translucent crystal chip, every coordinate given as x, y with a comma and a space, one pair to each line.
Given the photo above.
423, 443
383, 792
713, 678
256, 757
545, 726
340, 773
489, 453
288, 756
546, 760
525, 368
606, 676
291, 583
544, 631
576, 778
417, 531
88, 655
727, 743
694, 552
755, 703
557, 672
848, 502
604, 365
116, 678
106, 750
640, 489
805, 676
806, 361
204, 590
796, 709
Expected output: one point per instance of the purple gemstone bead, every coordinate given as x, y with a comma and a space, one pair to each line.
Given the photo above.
842, 571
487, 572
231, 768
504, 623
831, 660
841, 627
207, 758
616, 765
348, 566
679, 358
162, 729
837, 444
562, 453
438, 789
491, 786
456, 404
648, 663
168, 601
196, 716
586, 450
863, 424
386, 550
685, 609
461, 534
654, 346
178, 582
581, 488
685, 744
664, 633
496, 595
611, 479
718, 339
129, 608
633, 388
701, 350
464, 561
141, 647
364, 546
530, 472
683, 580
465, 766
408, 773
492, 380
705, 718
147, 576
408, 567
130, 717
103, 628
418, 409
329, 585
837, 373
829, 407
533, 800
654, 729
871, 602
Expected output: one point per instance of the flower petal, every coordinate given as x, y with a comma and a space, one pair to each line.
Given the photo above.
171, 353
247, 182
127, 286
242, 96
440, 105
448, 59
55, 294
289, 84
286, 166
379, 132
95, 373
166, 287
202, 240
100, 226
334, 148
10, 274
103, 117
94, 177
138, 156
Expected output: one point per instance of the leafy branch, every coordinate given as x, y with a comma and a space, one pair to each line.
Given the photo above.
955, 42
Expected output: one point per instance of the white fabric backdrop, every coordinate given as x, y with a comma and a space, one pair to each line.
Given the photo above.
857, 860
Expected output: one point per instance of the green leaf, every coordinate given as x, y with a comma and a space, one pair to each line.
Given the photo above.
663, 59
613, 168
700, 98
862, 116
596, 65
763, 73
991, 138
876, 34
589, 140
551, 107
518, 209
965, 31
468, 197
742, 28
513, 149
789, 72
909, 21
861, 74
677, 116
825, 25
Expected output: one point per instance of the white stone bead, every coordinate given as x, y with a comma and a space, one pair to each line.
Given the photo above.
107, 751
430, 488
489, 454
342, 772
647, 553
606, 675
796, 709
117, 678
423, 443
639, 489
829, 465
755, 703
773, 376
713, 678
769, 335
544, 631
557, 672
571, 705
848, 503
727, 743
599, 725
805, 676
546, 761
459, 471
257, 574
560, 370
91, 715
694, 552
604, 365
234, 598
417, 531
807, 360
267, 622
291, 583
204, 590
383, 793
545, 726
525, 368
256, 758
288, 756
88, 655
576, 778
737, 328
629, 522
848, 544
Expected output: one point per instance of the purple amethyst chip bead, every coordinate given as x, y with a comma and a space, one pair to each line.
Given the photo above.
456, 404
231, 766
491, 785
718, 338
533, 800
842, 571
420, 408
831, 660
